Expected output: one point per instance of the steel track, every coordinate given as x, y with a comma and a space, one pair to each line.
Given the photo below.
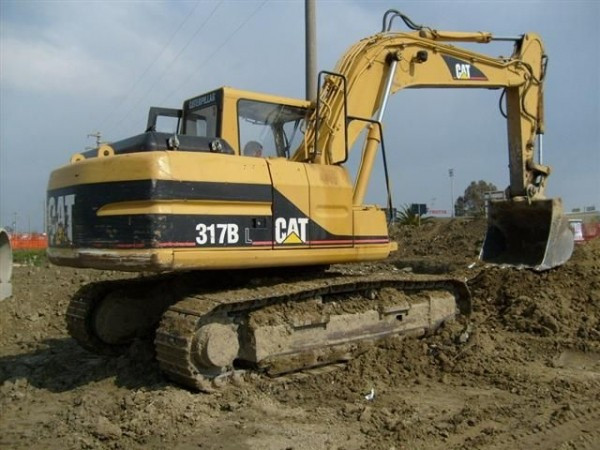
175, 337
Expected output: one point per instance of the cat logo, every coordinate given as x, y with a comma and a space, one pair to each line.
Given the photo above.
462, 71
60, 219
290, 231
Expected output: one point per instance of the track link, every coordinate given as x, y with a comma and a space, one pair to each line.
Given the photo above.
179, 351
212, 326
174, 344
105, 316
145, 297
79, 317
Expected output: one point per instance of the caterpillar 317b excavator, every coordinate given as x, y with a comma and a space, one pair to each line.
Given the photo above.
258, 182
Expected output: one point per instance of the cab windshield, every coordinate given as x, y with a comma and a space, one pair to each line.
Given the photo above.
269, 129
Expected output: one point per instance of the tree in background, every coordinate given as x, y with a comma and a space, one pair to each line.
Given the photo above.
472, 202
407, 216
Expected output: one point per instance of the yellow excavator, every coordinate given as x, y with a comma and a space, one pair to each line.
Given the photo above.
238, 208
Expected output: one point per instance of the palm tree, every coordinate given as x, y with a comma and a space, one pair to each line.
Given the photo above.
407, 216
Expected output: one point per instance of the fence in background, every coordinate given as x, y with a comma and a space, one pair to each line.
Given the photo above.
27, 241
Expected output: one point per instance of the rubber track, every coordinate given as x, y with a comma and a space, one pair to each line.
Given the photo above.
175, 335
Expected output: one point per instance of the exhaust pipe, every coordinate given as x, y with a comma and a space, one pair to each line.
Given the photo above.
523, 234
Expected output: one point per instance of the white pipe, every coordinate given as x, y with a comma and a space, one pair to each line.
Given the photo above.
6, 263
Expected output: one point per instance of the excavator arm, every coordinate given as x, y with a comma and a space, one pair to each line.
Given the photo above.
381, 65
427, 62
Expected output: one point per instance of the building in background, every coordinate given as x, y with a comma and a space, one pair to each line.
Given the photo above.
585, 223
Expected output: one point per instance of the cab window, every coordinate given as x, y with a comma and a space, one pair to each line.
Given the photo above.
201, 121
269, 129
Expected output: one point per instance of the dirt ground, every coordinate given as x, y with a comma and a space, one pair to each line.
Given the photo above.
523, 371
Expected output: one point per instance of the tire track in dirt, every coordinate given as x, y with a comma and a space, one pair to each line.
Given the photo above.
577, 429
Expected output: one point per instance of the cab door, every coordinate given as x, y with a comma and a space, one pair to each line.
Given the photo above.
291, 206
330, 206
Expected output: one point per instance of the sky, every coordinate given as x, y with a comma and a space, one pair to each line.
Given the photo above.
70, 68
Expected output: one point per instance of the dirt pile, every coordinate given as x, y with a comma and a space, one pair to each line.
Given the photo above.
563, 302
36, 310
447, 238
522, 371
441, 246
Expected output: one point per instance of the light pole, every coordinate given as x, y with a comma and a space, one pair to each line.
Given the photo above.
310, 30
451, 175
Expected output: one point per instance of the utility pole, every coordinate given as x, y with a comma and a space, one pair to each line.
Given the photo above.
98, 136
310, 27
451, 175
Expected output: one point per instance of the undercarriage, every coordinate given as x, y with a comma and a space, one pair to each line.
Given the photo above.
209, 326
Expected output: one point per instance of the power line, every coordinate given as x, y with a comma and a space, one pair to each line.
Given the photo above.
216, 50
137, 82
169, 65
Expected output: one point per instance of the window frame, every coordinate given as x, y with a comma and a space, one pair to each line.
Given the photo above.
286, 154
212, 98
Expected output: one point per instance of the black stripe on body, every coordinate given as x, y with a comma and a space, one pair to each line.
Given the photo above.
178, 230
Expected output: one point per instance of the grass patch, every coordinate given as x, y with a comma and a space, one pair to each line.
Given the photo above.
30, 257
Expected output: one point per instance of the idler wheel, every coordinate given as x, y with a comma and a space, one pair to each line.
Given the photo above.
119, 318
217, 345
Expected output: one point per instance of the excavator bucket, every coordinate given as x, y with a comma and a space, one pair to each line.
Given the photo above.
534, 235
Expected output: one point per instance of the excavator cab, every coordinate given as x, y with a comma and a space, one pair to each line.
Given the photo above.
252, 124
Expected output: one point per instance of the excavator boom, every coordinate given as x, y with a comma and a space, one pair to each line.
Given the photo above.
381, 65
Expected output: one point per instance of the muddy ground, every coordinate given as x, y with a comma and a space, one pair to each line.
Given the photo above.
522, 372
